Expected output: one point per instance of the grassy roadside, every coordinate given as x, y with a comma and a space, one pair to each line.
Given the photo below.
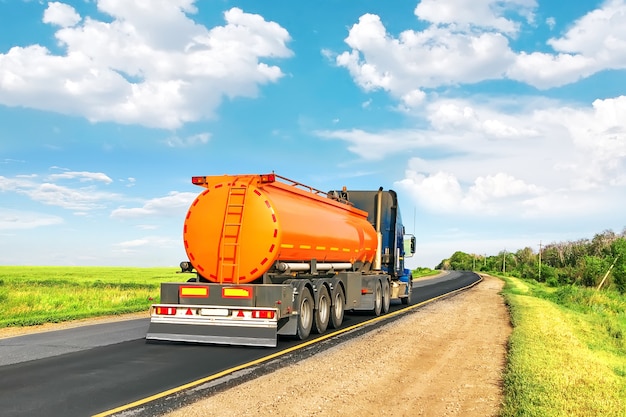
567, 353
37, 295
424, 273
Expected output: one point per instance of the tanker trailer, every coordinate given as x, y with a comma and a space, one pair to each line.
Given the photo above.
275, 257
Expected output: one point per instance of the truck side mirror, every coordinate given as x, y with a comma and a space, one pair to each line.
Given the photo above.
409, 246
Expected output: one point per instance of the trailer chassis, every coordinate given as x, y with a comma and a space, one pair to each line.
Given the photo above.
256, 314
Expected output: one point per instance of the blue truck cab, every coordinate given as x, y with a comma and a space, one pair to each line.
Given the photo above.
396, 245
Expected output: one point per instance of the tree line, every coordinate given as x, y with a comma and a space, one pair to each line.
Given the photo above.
585, 262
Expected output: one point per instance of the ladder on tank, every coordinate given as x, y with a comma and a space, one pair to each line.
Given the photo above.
231, 230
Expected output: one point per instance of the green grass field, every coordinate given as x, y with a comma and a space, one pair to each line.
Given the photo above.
32, 295
567, 353
36, 295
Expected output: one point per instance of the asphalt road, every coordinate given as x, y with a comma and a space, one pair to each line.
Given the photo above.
92, 369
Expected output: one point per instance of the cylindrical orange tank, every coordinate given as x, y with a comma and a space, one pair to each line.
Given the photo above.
241, 225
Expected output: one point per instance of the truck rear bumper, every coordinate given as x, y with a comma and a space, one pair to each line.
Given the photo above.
224, 333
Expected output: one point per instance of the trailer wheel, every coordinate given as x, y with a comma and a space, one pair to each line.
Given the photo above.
322, 314
337, 310
386, 297
305, 318
378, 299
407, 300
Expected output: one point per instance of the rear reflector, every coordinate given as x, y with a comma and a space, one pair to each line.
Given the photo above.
237, 292
193, 291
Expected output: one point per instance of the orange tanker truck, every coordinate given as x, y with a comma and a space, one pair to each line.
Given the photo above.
275, 257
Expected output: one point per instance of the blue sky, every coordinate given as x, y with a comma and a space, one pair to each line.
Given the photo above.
501, 124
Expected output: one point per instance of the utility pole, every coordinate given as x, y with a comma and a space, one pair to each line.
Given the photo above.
607, 273
504, 262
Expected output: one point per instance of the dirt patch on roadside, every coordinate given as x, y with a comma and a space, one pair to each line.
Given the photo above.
445, 359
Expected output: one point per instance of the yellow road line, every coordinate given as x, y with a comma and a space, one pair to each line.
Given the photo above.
277, 354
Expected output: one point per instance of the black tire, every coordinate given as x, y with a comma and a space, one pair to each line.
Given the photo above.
386, 297
378, 299
407, 300
305, 316
322, 314
338, 307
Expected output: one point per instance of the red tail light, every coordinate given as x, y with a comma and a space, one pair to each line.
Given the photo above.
255, 314
166, 311
265, 178
198, 180
263, 314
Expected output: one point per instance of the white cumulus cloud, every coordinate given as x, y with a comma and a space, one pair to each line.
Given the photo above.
150, 63
174, 204
61, 14
79, 198
11, 219
466, 42
415, 60
82, 176
484, 159
483, 13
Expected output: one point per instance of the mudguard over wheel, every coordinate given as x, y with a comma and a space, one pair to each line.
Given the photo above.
322, 313
305, 316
